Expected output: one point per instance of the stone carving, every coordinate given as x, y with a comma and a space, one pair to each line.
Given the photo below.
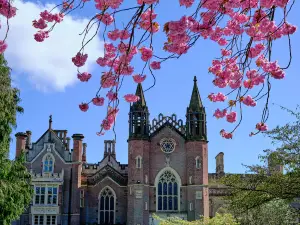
138, 194
107, 171
53, 210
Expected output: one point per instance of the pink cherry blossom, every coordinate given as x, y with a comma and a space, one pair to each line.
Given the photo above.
106, 18
131, 98
226, 135
3, 46
84, 107
99, 101
220, 114
231, 117
146, 53
80, 59
249, 101
84, 77
40, 36
40, 24
112, 96
155, 65
187, 3
261, 127
139, 78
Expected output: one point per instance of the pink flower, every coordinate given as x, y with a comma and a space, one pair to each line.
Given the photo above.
155, 65
225, 52
80, 59
226, 135
249, 101
186, 3
3, 46
84, 107
99, 101
139, 78
146, 53
112, 96
84, 77
124, 34
231, 117
40, 24
261, 127
106, 18
220, 97
131, 98
40, 36
220, 114
113, 35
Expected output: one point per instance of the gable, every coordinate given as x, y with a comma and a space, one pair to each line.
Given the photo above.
167, 121
51, 138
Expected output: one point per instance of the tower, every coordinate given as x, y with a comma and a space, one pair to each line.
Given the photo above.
139, 117
197, 159
196, 117
138, 161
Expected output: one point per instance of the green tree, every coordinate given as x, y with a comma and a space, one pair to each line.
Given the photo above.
219, 219
267, 192
15, 187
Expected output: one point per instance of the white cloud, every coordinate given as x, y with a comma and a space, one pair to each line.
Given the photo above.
48, 64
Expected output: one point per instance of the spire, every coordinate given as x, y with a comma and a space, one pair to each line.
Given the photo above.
195, 103
139, 117
196, 117
139, 92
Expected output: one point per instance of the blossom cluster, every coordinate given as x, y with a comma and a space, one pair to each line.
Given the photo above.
8, 11
238, 68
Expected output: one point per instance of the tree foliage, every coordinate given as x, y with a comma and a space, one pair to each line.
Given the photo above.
219, 219
15, 188
243, 68
266, 187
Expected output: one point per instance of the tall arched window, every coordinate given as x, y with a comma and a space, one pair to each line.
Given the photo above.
107, 201
48, 163
168, 187
138, 162
198, 163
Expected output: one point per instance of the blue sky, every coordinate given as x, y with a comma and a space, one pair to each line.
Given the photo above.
48, 86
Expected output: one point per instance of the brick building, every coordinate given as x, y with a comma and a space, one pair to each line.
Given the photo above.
166, 174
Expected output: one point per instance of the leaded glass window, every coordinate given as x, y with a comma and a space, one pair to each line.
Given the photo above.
167, 145
107, 207
48, 164
167, 192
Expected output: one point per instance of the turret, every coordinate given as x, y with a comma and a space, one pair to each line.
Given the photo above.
196, 117
139, 117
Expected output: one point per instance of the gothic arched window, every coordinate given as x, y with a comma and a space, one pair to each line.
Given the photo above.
168, 192
48, 164
107, 200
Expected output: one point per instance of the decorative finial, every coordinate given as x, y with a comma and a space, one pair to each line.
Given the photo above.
50, 122
195, 79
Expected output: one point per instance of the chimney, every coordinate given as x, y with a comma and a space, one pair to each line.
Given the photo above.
65, 135
113, 153
20, 143
84, 152
77, 147
220, 164
68, 144
50, 122
28, 141
105, 149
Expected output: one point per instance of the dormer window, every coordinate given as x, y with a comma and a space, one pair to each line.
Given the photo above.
138, 162
48, 163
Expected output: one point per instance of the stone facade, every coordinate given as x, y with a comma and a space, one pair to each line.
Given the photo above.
166, 174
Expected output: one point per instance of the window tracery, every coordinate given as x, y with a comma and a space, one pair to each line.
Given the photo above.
167, 192
107, 206
167, 145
